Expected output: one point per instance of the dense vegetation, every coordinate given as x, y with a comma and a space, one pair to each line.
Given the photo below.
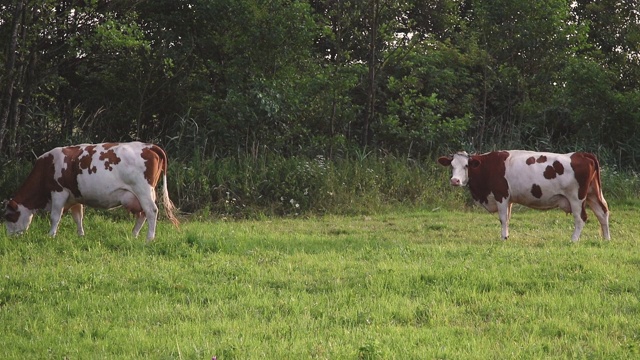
235, 83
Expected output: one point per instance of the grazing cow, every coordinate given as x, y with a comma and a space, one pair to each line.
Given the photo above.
535, 179
97, 175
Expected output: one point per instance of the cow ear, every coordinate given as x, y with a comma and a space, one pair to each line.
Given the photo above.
12, 205
474, 163
444, 161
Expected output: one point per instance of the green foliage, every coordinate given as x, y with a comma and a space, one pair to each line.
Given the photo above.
308, 78
249, 186
419, 114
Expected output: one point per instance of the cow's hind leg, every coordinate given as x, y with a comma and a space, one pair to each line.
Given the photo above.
601, 210
148, 203
77, 213
132, 203
151, 210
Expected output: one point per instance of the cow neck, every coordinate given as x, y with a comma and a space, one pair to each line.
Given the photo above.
489, 177
35, 192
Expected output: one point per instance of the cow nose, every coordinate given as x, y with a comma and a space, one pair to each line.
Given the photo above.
455, 181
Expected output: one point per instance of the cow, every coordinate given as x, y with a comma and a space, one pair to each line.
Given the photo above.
539, 180
103, 176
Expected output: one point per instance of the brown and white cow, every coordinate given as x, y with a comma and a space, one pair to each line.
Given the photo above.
97, 175
538, 180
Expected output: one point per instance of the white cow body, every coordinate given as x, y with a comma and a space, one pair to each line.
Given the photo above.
539, 180
97, 175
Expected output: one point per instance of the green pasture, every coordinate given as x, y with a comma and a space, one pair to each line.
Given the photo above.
408, 284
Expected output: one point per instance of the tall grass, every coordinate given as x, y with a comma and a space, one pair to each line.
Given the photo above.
247, 186
254, 185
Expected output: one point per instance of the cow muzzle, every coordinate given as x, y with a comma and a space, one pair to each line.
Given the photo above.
456, 182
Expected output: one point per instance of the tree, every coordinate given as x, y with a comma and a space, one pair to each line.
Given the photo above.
60, 44
10, 79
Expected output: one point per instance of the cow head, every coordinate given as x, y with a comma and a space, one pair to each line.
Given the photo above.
17, 217
460, 163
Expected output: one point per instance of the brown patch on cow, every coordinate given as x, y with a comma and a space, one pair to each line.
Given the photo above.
489, 177
583, 168
11, 211
12, 205
35, 191
69, 175
587, 173
12, 216
595, 187
154, 160
536, 191
110, 158
87, 159
558, 167
551, 171
108, 146
531, 160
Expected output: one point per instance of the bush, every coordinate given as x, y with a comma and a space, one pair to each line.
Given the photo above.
248, 186
252, 186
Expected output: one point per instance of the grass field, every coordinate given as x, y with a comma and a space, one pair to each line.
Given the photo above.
413, 284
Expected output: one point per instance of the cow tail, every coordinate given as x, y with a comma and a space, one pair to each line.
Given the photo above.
598, 182
168, 205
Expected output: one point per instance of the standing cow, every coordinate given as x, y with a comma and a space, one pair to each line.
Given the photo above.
97, 175
534, 179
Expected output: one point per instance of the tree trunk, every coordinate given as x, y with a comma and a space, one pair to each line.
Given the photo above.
10, 68
371, 91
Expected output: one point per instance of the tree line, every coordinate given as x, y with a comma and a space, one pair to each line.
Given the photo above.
213, 78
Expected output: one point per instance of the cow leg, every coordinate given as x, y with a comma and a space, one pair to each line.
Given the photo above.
150, 209
579, 217
77, 213
58, 199
131, 202
56, 215
152, 217
140, 219
504, 213
601, 211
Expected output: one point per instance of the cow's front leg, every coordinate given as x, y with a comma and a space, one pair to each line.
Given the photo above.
56, 215
58, 200
77, 213
504, 213
140, 219
580, 217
